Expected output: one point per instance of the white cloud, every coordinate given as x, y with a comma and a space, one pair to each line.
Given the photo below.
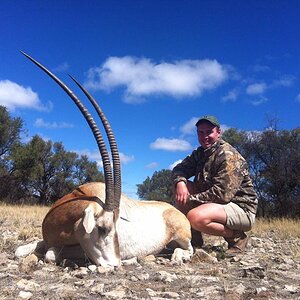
152, 165
256, 88
142, 77
92, 155
95, 156
40, 123
170, 144
231, 96
125, 159
171, 167
261, 68
285, 81
62, 67
224, 127
13, 95
259, 100
189, 127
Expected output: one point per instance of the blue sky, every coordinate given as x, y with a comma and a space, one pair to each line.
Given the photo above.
154, 67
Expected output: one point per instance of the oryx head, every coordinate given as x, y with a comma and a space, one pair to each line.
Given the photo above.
98, 225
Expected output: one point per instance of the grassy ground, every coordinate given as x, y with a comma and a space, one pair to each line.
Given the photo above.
284, 228
26, 219
24, 222
29, 219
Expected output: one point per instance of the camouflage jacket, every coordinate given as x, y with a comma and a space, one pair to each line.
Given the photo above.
221, 175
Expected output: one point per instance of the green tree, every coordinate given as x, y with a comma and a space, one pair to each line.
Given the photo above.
10, 129
279, 156
33, 169
158, 187
273, 157
46, 171
86, 171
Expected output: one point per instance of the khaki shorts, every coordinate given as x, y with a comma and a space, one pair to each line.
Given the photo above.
237, 218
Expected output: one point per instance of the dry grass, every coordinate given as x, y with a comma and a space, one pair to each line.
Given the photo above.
27, 220
283, 228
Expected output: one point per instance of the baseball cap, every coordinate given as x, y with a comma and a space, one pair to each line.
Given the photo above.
212, 119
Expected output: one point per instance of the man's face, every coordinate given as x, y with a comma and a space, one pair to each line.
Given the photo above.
207, 134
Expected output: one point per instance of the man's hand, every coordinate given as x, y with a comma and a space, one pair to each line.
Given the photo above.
182, 193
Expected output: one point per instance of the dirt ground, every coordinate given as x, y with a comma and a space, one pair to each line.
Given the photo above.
270, 269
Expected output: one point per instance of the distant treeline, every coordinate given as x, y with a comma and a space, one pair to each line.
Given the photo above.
40, 172
273, 158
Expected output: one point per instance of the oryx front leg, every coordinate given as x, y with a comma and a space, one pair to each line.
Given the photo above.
184, 253
181, 229
52, 255
97, 235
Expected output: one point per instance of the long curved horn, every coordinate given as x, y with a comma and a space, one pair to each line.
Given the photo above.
112, 143
109, 188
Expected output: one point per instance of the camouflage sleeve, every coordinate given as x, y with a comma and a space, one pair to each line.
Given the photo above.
186, 169
226, 182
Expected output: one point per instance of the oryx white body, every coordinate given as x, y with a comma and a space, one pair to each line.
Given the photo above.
142, 227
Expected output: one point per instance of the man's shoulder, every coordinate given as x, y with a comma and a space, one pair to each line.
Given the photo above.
227, 150
226, 146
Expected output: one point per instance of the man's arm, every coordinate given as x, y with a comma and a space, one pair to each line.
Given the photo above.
180, 174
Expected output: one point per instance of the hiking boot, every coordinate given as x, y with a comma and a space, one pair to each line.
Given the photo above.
236, 244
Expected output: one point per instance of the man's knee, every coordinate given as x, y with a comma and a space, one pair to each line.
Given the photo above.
197, 219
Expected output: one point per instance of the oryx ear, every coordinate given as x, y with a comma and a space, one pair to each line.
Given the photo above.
89, 219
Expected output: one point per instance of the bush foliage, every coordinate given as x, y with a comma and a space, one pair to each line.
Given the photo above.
38, 172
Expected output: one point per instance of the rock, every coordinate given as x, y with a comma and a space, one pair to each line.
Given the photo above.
130, 262
150, 292
169, 295
25, 250
80, 273
105, 270
142, 276
291, 289
85, 283
240, 289
92, 268
261, 290
29, 263
165, 276
25, 295
149, 258
254, 272
27, 285
118, 293
49, 268
202, 256
97, 289
134, 278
